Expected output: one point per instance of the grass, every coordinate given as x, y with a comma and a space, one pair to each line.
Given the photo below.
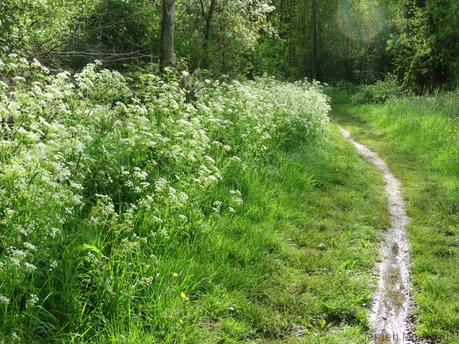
299, 256
419, 138
310, 225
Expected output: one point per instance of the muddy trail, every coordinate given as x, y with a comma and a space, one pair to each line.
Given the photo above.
390, 316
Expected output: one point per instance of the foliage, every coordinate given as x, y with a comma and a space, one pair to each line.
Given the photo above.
351, 39
36, 27
184, 207
235, 31
379, 92
113, 30
120, 31
424, 44
359, 42
99, 169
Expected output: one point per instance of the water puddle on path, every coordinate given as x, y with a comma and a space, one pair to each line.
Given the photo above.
390, 316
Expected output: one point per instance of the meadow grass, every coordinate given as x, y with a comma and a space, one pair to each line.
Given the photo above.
112, 188
419, 138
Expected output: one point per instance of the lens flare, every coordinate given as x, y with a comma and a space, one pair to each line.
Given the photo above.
360, 20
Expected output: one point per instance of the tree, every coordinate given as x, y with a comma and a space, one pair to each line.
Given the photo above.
207, 27
424, 44
166, 55
314, 39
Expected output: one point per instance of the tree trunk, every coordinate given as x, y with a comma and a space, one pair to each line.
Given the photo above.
207, 29
166, 55
209, 18
314, 39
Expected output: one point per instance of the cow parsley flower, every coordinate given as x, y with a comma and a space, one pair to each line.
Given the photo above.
32, 301
4, 300
30, 246
29, 267
53, 265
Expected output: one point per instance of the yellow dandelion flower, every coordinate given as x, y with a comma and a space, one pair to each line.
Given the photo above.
184, 297
174, 274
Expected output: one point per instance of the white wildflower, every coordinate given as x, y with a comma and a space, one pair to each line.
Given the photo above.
29, 267
37, 89
15, 261
36, 63
53, 265
79, 146
19, 254
156, 219
19, 79
160, 184
32, 301
54, 232
183, 197
4, 300
209, 159
24, 232
30, 246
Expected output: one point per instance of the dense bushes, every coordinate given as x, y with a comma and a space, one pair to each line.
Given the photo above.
102, 173
378, 92
424, 46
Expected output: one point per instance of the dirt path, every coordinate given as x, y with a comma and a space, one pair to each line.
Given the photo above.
390, 314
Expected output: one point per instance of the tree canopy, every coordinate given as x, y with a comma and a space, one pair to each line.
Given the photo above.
355, 41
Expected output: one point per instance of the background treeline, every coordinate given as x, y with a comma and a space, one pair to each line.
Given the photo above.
358, 41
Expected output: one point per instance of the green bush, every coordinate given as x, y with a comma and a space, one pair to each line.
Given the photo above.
378, 92
340, 92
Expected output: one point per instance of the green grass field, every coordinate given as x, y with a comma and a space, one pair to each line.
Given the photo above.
297, 259
419, 139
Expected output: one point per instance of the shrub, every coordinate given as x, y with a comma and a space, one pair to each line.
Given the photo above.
378, 92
